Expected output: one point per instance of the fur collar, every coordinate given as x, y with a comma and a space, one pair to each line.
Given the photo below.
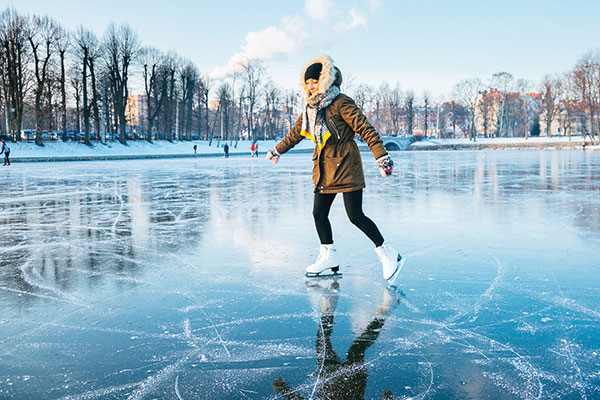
326, 78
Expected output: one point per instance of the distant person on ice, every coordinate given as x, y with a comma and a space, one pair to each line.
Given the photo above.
330, 119
226, 150
6, 151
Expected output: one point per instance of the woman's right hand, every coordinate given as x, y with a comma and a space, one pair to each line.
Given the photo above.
273, 156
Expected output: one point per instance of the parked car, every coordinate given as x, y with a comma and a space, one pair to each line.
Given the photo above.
49, 135
28, 134
74, 136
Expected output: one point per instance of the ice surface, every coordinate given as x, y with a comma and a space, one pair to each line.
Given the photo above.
183, 279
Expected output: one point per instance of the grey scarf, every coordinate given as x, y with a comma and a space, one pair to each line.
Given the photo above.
313, 122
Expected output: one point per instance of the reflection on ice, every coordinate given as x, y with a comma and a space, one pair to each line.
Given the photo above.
334, 377
184, 279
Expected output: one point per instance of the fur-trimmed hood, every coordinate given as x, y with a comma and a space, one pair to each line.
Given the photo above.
330, 75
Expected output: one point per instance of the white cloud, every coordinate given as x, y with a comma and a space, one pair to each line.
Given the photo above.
319, 10
292, 32
261, 45
355, 19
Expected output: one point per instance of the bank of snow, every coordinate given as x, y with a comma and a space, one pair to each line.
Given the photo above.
25, 151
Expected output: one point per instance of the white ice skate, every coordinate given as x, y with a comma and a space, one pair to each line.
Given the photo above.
391, 262
327, 263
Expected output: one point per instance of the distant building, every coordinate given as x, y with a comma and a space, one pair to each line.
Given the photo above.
136, 111
213, 105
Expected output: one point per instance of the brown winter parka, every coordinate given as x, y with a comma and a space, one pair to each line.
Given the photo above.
337, 166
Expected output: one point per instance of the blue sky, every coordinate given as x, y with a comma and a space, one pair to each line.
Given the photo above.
422, 45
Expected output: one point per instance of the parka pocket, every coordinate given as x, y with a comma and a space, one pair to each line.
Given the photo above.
338, 171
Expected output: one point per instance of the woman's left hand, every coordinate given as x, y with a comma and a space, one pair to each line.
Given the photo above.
386, 165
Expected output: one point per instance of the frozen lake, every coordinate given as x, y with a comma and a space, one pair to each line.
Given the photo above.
184, 279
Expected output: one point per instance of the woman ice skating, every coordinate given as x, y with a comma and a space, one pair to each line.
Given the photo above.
6, 151
330, 119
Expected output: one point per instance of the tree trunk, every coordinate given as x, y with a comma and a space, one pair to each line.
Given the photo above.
95, 99
86, 109
63, 93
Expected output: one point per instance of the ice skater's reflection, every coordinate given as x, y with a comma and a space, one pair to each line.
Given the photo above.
337, 379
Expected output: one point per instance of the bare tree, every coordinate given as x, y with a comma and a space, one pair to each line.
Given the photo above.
152, 63
63, 43
253, 72
76, 85
82, 40
586, 77
4, 92
395, 107
381, 100
169, 112
224, 94
121, 47
41, 34
206, 86
426, 101
292, 98
13, 41
486, 108
188, 78
94, 54
526, 103
363, 96
272, 107
235, 111
202, 94
568, 100
549, 88
409, 107
467, 93
503, 82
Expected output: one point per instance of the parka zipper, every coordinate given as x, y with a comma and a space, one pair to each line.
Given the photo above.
335, 128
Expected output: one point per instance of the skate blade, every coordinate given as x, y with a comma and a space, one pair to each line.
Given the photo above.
396, 273
325, 274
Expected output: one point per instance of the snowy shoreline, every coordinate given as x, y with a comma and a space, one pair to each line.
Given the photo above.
556, 142
69, 151
61, 151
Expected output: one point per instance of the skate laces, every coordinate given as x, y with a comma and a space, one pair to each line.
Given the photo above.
322, 254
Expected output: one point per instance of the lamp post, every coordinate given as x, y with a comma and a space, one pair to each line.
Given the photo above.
12, 120
206, 109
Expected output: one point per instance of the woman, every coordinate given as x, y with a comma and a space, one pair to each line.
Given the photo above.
6, 150
330, 119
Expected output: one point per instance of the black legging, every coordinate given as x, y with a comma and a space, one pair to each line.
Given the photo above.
353, 204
